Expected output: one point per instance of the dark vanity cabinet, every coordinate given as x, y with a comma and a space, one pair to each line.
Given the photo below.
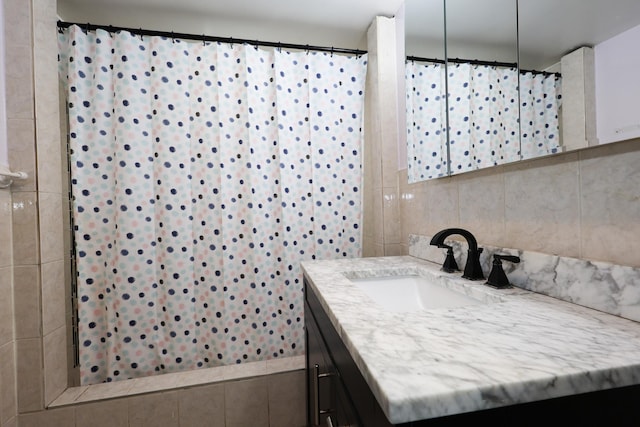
338, 395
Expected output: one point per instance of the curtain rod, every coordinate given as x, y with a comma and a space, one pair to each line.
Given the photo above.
478, 62
204, 38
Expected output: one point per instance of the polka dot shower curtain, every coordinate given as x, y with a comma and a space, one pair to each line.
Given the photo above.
540, 101
202, 174
426, 121
483, 117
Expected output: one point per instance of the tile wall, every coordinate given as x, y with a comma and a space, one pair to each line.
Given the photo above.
381, 223
8, 406
276, 400
581, 204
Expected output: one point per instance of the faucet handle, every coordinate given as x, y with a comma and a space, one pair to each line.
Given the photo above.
497, 277
511, 258
450, 265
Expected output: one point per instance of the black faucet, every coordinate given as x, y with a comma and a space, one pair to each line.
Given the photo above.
473, 269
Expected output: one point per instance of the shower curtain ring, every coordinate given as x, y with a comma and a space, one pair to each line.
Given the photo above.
204, 40
141, 38
307, 49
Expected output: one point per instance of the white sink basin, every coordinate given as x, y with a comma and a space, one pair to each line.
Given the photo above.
411, 293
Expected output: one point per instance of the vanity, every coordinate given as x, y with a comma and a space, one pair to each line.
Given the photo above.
506, 356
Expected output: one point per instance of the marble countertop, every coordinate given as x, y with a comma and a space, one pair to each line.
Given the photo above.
521, 347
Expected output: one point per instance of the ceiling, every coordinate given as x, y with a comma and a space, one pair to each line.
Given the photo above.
339, 23
548, 28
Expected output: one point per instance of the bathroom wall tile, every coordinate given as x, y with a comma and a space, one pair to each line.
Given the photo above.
610, 203
246, 403
51, 227
154, 410
109, 413
391, 214
29, 375
244, 370
55, 364
6, 253
8, 404
12, 422
542, 205
18, 83
60, 417
389, 152
202, 406
378, 217
285, 364
25, 228
26, 290
481, 199
54, 296
287, 399
393, 249
442, 204
49, 161
46, 60
6, 306
153, 383
69, 396
367, 216
414, 214
47, 94
22, 152
199, 376
18, 21
378, 250
404, 248
105, 391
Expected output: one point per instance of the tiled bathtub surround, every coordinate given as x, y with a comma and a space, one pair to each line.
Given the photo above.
613, 289
267, 394
168, 382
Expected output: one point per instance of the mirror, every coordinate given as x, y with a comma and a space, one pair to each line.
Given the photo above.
482, 82
475, 125
425, 91
561, 45
593, 44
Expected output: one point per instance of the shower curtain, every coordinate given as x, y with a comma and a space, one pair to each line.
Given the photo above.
540, 101
483, 116
202, 174
426, 121
484, 128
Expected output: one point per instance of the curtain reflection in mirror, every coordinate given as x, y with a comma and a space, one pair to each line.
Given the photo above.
426, 121
483, 117
540, 100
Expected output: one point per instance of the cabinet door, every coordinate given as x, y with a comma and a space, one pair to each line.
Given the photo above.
345, 413
321, 396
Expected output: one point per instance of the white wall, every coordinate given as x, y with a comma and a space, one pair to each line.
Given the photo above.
617, 64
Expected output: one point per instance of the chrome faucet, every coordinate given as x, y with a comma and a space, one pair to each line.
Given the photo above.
472, 269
